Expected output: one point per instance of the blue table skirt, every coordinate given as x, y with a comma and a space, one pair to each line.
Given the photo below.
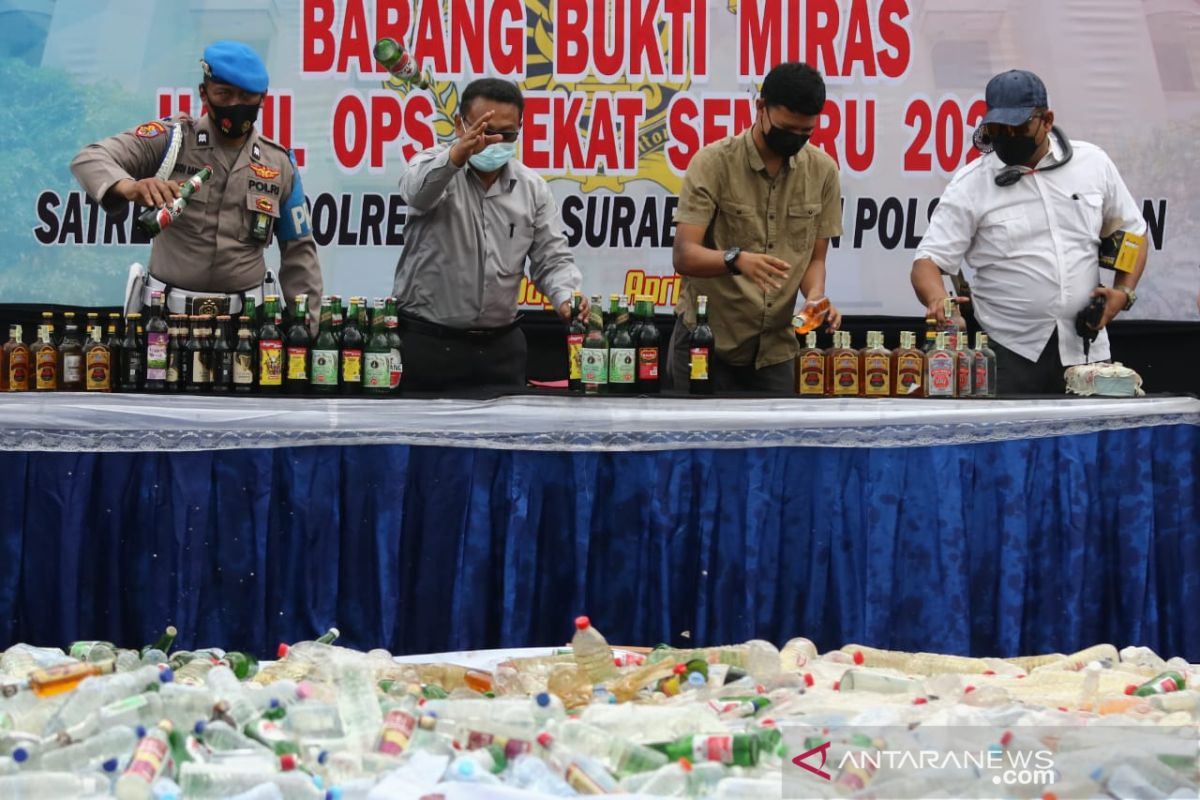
1004, 548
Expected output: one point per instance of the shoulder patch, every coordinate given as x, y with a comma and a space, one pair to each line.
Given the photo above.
150, 130
264, 172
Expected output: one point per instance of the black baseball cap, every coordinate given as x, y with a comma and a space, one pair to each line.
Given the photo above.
1012, 96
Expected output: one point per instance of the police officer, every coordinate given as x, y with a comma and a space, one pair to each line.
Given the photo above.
213, 253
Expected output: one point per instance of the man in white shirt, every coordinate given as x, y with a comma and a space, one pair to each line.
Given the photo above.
1028, 218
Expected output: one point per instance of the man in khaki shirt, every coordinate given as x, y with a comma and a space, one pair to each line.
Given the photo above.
215, 247
752, 229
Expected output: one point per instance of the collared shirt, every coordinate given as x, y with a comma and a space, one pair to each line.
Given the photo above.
465, 246
1033, 247
210, 247
729, 192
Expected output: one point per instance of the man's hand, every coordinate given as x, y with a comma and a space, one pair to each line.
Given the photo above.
936, 309
564, 310
833, 320
1114, 303
148, 192
473, 140
768, 272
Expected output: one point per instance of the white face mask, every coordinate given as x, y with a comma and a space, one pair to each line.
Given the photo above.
494, 156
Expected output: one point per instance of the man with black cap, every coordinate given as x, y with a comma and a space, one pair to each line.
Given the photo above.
1028, 217
213, 253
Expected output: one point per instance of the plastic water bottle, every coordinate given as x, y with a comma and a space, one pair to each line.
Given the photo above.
619, 755
183, 704
585, 775
530, 772
146, 765
748, 789
213, 782
468, 770
314, 720
220, 736
140, 709
51, 785
233, 703
592, 653
115, 742
357, 704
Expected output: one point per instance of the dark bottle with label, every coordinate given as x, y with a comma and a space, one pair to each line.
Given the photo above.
270, 349
700, 351
191, 357
353, 343
222, 357
622, 356
323, 376
157, 341
647, 339
576, 330
177, 331
391, 323
298, 348
244, 358
133, 356
113, 341
70, 356
377, 357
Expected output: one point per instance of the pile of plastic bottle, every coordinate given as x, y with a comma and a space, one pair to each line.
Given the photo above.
323, 721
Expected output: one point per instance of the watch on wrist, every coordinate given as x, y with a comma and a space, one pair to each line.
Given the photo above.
1130, 297
731, 256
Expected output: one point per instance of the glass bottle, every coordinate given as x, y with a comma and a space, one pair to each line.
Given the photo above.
157, 342
97, 359
593, 357
847, 371
193, 366
222, 357
353, 342
810, 315
133, 356
113, 341
647, 340
964, 359
377, 366
176, 332
940, 369
270, 349
299, 343
876, 367
575, 333
70, 356
324, 376
985, 367
622, 356
700, 351
17, 358
810, 370
244, 357
391, 324
45, 357
909, 372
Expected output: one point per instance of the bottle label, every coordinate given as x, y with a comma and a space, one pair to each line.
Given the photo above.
324, 367
297, 363
223, 369
574, 354
156, 356
593, 364
981, 376
908, 375
377, 370
398, 727
99, 369
352, 366
964, 376
148, 759
72, 368
845, 375
812, 374
47, 368
200, 370
172, 366
18, 370
243, 369
270, 363
396, 360
698, 363
133, 368
712, 748
622, 365
941, 374
647, 363
878, 381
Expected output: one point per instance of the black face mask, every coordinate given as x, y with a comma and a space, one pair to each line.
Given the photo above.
233, 121
784, 143
1014, 150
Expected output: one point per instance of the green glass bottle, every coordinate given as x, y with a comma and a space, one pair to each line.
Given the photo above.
700, 351
647, 341
270, 350
298, 347
391, 321
576, 330
353, 343
377, 357
324, 375
594, 355
622, 356
163, 642
731, 749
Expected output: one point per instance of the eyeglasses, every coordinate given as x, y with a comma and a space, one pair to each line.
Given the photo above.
996, 129
505, 136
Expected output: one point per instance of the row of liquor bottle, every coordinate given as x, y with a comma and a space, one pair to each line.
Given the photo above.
355, 353
945, 368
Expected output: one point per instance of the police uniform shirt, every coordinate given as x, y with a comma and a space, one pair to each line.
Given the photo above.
213, 246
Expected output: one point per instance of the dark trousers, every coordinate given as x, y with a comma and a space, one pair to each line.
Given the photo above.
727, 378
447, 363
1018, 375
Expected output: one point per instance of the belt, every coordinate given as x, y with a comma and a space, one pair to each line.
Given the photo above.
177, 299
426, 328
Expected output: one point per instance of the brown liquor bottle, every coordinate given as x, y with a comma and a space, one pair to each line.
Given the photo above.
908, 368
847, 371
810, 371
876, 367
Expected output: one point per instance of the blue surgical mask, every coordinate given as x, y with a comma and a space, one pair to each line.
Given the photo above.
494, 156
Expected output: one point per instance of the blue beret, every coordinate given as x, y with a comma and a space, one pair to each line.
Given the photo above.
235, 63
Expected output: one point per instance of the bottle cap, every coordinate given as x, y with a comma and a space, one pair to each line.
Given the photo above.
199, 727
20, 755
545, 739
287, 762
110, 765
282, 650
167, 675
140, 730
582, 623
543, 699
